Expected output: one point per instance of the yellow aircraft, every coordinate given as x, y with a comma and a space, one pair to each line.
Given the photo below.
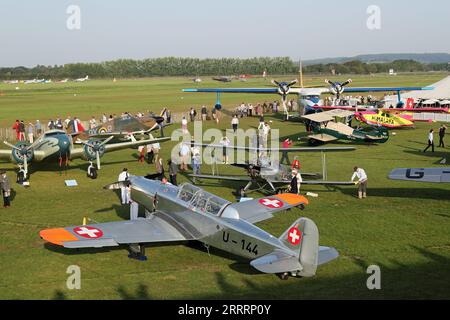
386, 118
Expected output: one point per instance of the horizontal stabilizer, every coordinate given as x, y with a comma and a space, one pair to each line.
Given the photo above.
277, 262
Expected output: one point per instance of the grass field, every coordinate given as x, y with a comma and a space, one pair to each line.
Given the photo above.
402, 227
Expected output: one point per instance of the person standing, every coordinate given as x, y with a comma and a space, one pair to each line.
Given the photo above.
38, 127
5, 188
296, 181
150, 154
430, 141
184, 124
285, 154
225, 142
442, 135
104, 118
196, 159
124, 177
22, 131
16, 128
173, 171
184, 156
192, 114
235, 123
159, 164
30, 133
141, 150
362, 181
204, 113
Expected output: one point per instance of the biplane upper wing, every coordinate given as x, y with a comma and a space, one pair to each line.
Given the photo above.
111, 234
234, 90
438, 175
257, 210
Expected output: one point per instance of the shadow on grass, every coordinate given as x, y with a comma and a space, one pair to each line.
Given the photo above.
428, 280
413, 193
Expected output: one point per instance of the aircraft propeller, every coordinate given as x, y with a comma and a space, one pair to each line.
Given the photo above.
283, 88
97, 147
337, 88
23, 151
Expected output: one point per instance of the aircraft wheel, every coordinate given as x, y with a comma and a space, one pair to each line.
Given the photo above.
241, 192
283, 276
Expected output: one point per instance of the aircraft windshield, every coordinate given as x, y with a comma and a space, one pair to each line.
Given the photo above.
201, 200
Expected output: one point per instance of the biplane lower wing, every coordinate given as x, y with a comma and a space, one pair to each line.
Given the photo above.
229, 178
323, 137
151, 230
437, 175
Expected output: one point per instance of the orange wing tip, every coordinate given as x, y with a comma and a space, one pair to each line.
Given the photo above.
292, 199
57, 236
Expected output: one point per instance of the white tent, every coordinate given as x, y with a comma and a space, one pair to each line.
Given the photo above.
441, 91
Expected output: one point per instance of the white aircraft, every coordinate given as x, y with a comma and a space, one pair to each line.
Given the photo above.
82, 79
63, 81
437, 175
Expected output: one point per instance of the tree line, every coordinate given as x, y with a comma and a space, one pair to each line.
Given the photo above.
174, 66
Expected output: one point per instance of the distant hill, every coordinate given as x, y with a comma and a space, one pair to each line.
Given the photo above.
386, 57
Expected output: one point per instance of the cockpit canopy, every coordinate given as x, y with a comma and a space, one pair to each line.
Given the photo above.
200, 200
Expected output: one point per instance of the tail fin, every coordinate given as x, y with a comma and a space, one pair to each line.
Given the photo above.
303, 237
302, 254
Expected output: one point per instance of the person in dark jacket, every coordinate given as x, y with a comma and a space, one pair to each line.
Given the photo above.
5, 189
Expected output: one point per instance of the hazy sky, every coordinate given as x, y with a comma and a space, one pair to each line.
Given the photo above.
35, 32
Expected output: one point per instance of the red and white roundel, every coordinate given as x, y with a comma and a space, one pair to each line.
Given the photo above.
294, 236
88, 232
271, 203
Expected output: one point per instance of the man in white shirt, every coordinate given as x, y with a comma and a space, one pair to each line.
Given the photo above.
362, 181
124, 176
430, 141
184, 156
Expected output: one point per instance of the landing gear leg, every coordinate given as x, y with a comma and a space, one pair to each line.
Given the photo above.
137, 252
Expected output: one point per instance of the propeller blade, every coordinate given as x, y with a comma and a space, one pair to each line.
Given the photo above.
329, 82
275, 83
346, 83
292, 83
97, 154
25, 165
11, 145
106, 141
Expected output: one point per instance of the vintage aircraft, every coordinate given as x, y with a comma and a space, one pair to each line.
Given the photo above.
388, 118
223, 79
308, 97
124, 128
82, 79
58, 145
268, 175
188, 213
438, 175
327, 127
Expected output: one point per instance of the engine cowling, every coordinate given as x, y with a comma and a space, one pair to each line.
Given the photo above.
92, 147
23, 151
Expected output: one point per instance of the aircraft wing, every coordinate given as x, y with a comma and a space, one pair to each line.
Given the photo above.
438, 175
229, 178
235, 90
5, 154
258, 210
294, 149
79, 152
111, 234
385, 89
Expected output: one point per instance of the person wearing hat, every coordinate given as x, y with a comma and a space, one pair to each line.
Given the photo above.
296, 181
5, 188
